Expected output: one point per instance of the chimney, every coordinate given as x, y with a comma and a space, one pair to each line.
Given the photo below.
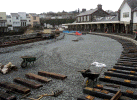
83, 10
99, 6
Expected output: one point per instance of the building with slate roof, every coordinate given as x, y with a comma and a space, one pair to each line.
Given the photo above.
97, 20
92, 14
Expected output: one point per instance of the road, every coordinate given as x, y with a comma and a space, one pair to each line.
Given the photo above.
65, 57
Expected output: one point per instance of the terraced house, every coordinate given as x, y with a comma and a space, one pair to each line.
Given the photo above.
15, 21
34, 19
3, 22
98, 20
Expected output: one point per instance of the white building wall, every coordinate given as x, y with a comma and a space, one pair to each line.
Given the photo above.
135, 17
124, 9
28, 21
9, 21
16, 22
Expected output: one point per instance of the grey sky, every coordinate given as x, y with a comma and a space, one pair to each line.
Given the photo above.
40, 6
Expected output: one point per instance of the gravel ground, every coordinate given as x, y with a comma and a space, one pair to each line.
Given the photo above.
65, 57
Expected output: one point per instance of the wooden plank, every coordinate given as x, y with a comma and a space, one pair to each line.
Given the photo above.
120, 81
117, 95
125, 68
6, 96
37, 77
129, 55
128, 60
125, 64
53, 75
98, 93
114, 90
15, 87
120, 75
123, 71
88, 97
27, 83
130, 64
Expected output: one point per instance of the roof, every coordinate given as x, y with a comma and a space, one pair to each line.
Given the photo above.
33, 14
88, 12
108, 18
8, 16
135, 9
132, 4
101, 22
14, 14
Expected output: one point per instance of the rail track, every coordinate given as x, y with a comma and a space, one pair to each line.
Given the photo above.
122, 75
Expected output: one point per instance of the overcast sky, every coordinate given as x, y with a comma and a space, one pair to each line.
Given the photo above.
40, 6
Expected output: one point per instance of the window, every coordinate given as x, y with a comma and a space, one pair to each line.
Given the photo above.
81, 18
94, 17
17, 18
29, 20
136, 14
87, 18
107, 18
34, 18
100, 18
0, 17
10, 20
126, 14
78, 19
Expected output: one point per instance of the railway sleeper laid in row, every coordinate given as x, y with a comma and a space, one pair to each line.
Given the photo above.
127, 61
88, 97
104, 94
121, 75
127, 64
123, 71
125, 68
128, 93
120, 81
